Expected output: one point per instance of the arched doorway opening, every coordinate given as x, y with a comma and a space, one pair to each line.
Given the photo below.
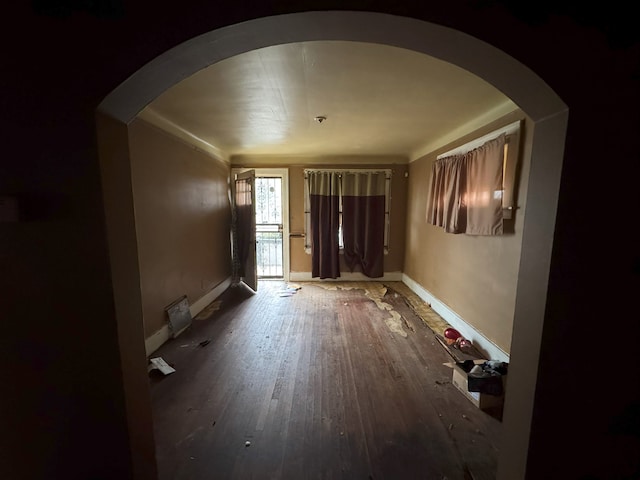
521, 85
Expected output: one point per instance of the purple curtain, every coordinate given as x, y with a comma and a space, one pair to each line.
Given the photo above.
324, 208
363, 219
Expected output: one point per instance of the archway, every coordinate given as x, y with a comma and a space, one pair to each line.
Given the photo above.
525, 88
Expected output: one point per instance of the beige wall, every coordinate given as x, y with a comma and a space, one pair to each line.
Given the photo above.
182, 220
300, 260
115, 171
474, 276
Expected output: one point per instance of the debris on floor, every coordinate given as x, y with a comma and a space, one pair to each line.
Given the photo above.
395, 324
204, 343
158, 363
208, 310
451, 335
469, 352
484, 385
289, 290
373, 290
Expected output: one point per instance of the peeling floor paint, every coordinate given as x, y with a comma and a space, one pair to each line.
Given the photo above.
376, 291
434, 321
206, 313
395, 324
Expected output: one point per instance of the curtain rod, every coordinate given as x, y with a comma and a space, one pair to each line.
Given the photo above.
387, 171
467, 147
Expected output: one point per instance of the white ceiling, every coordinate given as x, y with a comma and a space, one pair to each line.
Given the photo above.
378, 100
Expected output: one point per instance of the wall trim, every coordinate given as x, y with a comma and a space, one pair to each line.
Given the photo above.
166, 126
209, 297
157, 339
287, 160
346, 277
486, 118
452, 318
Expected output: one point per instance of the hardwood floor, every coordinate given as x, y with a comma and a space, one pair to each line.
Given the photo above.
324, 384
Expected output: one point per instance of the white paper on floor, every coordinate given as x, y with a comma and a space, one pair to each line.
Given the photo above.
158, 363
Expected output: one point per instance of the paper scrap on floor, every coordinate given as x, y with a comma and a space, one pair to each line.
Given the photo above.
290, 290
159, 364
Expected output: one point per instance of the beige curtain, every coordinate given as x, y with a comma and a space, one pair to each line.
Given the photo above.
448, 181
465, 191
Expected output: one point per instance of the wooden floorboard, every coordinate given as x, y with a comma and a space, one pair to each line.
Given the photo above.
324, 384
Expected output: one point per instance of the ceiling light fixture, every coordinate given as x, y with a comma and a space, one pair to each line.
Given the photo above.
320, 118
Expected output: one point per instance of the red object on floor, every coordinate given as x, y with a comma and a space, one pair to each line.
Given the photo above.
451, 333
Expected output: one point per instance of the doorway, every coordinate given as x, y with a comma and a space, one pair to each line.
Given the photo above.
529, 91
272, 222
269, 228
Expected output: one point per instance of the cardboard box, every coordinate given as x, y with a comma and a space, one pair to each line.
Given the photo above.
483, 401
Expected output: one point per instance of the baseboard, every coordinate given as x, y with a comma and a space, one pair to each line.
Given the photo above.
345, 277
493, 351
156, 340
209, 297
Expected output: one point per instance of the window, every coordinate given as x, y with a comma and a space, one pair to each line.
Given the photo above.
307, 206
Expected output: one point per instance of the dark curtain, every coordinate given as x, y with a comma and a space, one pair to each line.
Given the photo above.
363, 219
324, 208
243, 225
